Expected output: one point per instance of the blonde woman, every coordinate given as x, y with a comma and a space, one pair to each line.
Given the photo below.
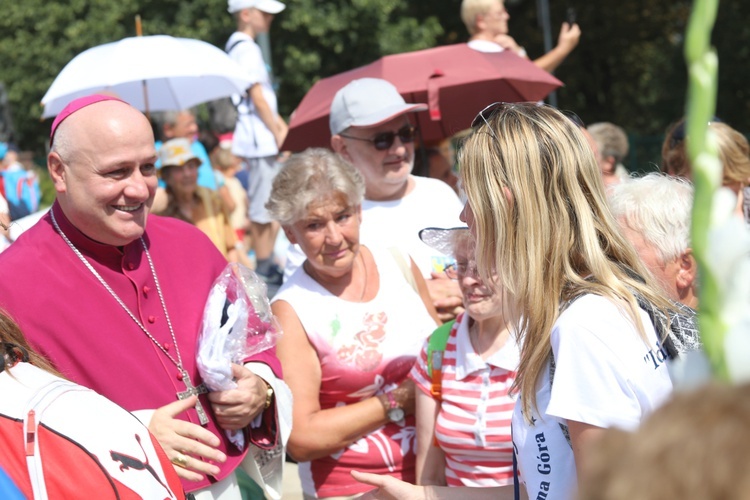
590, 356
734, 153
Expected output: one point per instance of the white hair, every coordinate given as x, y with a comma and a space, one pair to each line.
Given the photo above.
658, 207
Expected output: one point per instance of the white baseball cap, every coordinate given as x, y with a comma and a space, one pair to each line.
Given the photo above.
367, 102
176, 153
268, 6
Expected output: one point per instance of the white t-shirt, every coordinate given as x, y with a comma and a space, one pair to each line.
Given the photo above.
385, 224
252, 139
485, 46
605, 376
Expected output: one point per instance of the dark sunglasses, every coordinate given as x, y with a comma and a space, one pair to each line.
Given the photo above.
384, 140
484, 116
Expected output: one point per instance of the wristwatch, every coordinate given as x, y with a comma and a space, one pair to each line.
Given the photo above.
394, 412
269, 395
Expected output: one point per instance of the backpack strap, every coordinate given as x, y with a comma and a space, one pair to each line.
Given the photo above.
405, 268
33, 415
435, 349
236, 43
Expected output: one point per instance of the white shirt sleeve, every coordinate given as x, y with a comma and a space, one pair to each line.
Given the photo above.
600, 376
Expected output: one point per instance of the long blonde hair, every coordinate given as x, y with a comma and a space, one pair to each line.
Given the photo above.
544, 227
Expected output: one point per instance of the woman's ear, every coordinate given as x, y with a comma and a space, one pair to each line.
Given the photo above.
289, 234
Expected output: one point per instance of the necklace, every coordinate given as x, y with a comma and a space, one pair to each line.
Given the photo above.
182, 374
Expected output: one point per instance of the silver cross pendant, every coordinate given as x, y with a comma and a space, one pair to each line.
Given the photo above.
194, 391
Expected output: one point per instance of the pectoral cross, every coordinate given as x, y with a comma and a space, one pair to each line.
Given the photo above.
191, 390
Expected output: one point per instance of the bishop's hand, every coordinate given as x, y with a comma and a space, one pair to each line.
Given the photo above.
190, 447
236, 408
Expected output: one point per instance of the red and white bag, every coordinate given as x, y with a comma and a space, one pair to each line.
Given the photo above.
60, 440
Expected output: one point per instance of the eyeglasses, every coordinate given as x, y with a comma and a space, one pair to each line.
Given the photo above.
384, 140
487, 113
459, 269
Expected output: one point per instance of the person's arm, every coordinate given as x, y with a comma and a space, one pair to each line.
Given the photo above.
315, 432
266, 115
226, 199
390, 488
283, 129
430, 458
509, 43
424, 292
581, 437
566, 42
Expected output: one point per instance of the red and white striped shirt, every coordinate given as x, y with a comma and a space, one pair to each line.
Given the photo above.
473, 424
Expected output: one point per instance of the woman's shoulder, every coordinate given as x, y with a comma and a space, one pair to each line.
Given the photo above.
590, 310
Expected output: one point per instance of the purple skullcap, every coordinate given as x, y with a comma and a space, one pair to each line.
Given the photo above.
76, 105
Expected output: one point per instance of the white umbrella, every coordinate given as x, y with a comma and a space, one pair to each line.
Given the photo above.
152, 73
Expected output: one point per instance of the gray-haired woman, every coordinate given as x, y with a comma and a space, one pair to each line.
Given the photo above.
354, 319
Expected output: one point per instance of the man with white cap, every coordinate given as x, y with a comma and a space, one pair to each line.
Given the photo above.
260, 130
370, 128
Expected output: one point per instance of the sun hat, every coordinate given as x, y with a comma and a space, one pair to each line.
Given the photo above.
367, 102
77, 105
268, 6
442, 239
176, 153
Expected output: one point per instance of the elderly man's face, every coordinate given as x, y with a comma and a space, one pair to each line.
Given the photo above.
386, 172
184, 127
664, 272
107, 183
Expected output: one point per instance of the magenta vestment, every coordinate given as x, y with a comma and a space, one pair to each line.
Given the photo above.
70, 318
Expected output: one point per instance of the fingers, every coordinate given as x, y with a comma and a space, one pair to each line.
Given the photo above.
174, 409
367, 478
189, 446
192, 468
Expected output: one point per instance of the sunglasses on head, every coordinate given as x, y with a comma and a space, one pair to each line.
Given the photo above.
678, 134
384, 140
484, 116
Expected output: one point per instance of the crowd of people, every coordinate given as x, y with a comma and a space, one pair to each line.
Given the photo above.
471, 333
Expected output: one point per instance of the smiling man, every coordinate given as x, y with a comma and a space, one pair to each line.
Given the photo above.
114, 297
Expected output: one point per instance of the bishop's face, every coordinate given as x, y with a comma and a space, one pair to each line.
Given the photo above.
107, 183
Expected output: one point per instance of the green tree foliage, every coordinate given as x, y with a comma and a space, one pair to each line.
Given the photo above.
315, 39
628, 68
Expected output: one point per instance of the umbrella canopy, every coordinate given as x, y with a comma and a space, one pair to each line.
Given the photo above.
454, 80
152, 73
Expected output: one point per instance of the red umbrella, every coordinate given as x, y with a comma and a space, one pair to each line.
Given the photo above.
456, 82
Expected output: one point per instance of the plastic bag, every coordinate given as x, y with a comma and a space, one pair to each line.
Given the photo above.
237, 323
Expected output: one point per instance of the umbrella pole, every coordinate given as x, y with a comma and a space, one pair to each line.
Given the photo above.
145, 99
424, 166
139, 32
